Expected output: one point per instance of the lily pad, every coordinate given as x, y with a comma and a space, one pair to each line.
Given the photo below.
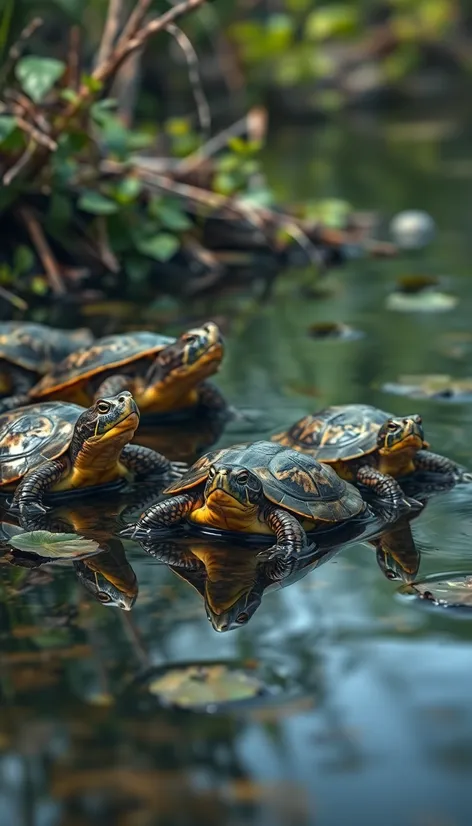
54, 545
205, 686
334, 330
431, 301
443, 590
434, 386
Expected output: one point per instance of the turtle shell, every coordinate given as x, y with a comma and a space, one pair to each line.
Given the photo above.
337, 433
31, 435
290, 479
105, 354
36, 347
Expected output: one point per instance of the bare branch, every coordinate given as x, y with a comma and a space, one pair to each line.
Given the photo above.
16, 50
17, 302
203, 109
23, 161
110, 31
254, 123
43, 249
73, 58
135, 21
36, 134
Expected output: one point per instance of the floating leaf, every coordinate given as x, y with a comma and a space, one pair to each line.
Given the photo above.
435, 386
97, 204
423, 302
54, 545
198, 686
161, 246
38, 75
334, 330
443, 590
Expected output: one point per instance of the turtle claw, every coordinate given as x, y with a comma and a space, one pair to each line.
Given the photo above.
177, 470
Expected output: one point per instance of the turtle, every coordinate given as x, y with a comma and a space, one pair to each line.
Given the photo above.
164, 374
255, 488
28, 351
59, 446
367, 445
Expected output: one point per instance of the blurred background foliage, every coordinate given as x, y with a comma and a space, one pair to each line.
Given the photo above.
304, 56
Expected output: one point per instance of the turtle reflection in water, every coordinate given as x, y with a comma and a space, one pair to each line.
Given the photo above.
109, 577
258, 488
233, 577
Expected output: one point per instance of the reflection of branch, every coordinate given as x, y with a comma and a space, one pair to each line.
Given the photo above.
203, 109
43, 249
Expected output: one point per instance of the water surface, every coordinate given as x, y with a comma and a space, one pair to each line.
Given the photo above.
380, 729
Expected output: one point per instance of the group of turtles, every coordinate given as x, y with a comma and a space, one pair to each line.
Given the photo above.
71, 406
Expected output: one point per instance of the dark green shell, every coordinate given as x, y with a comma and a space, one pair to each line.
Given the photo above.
337, 433
31, 435
36, 347
105, 354
292, 480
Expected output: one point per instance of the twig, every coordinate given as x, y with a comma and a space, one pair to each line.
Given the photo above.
15, 52
44, 251
73, 59
110, 31
125, 87
22, 161
220, 140
203, 109
36, 134
135, 20
107, 257
17, 302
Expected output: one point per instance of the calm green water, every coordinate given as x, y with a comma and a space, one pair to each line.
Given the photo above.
373, 719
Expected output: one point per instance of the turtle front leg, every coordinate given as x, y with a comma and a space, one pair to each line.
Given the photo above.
291, 537
434, 463
112, 386
29, 494
385, 487
210, 397
163, 515
143, 462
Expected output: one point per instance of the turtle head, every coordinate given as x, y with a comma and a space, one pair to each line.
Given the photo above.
238, 483
194, 356
401, 434
110, 419
235, 615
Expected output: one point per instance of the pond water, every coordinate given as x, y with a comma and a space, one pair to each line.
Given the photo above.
370, 719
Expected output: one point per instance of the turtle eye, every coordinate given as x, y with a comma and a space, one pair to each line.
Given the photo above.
191, 339
241, 619
392, 426
211, 472
243, 477
103, 597
103, 407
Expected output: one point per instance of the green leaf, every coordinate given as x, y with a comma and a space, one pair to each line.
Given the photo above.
7, 125
170, 214
127, 190
97, 204
23, 259
38, 75
332, 21
161, 247
92, 84
58, 545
